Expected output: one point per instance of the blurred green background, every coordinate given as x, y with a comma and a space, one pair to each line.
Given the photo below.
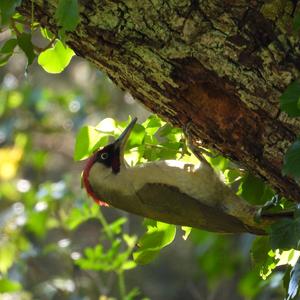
47, 222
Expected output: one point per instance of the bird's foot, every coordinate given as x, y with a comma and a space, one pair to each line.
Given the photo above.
197, 150
267, 206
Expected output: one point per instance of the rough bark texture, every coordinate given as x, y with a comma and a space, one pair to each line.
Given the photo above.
220, 65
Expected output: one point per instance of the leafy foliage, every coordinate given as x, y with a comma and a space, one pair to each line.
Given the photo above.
42, 214
54, 57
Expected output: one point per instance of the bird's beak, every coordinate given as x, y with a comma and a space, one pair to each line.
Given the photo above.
121, 141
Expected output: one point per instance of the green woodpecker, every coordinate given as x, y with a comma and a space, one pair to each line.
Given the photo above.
170, 191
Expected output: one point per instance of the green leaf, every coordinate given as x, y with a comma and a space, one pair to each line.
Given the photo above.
232, 176
263, 257
291, 161
164, 131
254, 190
7, 255
289, 100
7, 9
80, 215
24, 42
8, 286
128, 265
116, 226
294, 282
285, 234
9, 46
152, 124
67, 14
219, 162
56, 59
136, 137
157, 237
86, 140
145, 257
107, 125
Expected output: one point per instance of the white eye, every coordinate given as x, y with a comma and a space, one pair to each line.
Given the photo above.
104, 156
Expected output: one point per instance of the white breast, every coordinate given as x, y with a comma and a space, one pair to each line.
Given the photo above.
198, 181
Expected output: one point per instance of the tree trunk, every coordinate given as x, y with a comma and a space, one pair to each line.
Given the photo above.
220, 65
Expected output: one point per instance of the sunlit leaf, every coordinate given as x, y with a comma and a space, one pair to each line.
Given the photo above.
56, 59
219, 162
187, 230
152, 124
128, 265
46, 33
130, 240
107, 125
86, 139
145, 257
289, 257
157, 237
137, 136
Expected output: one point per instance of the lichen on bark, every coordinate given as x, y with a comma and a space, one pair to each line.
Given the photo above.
220, 65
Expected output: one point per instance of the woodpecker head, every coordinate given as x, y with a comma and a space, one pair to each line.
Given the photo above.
111, 157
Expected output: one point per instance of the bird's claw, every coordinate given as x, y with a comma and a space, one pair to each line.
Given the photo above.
198, 150
269, 204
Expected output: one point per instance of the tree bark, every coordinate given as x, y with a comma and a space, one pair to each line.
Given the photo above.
218, 65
